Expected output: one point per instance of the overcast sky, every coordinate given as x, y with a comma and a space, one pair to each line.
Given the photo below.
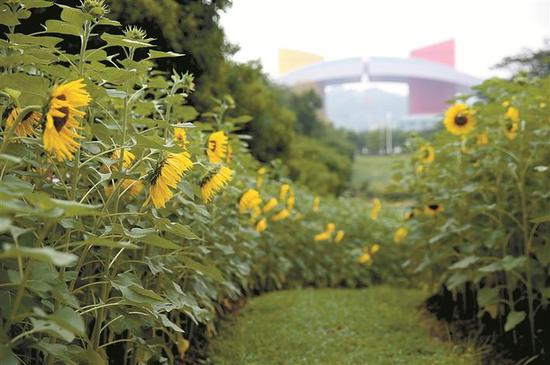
485, 30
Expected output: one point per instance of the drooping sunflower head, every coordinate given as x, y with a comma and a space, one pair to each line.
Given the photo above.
459, 119
376, 207
511, 130
128, 157
26, 126
426, 154
283, 192
339, 236
512, 114
249, 200
323, 236
283, 214
217, 147
132, 186
180, 136
365, 258
316, 203
60, 137
400, 234
290, 202
482, 139
271, 203
260, 177
261, 225
166, 176
214, 183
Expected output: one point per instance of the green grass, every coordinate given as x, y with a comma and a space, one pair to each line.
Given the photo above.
375, 326
375, 172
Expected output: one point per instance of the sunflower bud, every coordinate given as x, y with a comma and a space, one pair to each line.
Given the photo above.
135, 33
95, 8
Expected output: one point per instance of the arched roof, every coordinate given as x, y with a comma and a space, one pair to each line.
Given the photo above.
384, 69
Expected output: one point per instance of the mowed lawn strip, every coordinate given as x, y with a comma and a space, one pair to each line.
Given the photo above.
379, 325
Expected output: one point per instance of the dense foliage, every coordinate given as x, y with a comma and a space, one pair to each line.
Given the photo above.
481, 226
128, 219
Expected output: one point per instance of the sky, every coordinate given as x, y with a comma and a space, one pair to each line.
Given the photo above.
485, 30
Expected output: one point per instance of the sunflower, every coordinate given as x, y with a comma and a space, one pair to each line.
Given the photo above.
316, 203
283, 192
271, 203
459, 119
339, 236
60, 138
261, 225
229, 156
260, 177
400, 234
482, 139
249, 200
217, 147
375, 248
330, 228
512, 123
365, 258
283, 214
323, 236
290, 202
128, 158
132, 186
426, 154
215, 183
512, 114
433, 209
180, 136
25, 127
166, 176
376, 207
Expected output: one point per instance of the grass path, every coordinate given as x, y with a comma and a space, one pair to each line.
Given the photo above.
380, 325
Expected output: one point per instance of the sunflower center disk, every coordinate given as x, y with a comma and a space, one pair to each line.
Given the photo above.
461, 120
58, 122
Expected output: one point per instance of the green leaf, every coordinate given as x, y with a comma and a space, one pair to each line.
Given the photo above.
50, 42
45, 254
5, 224
464, 263
106, 242
31, 4
52, 329
119, 40
7, 17
69, 320
510, 263
180, 230
6, 356
145, 292
456, 280
513, 319
72, 15
159, 54
10, 158
541, 219
488, 296
155, 240
208, 270
61, 27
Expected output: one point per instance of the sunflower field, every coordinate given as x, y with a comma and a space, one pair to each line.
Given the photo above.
130, 220
479, 231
